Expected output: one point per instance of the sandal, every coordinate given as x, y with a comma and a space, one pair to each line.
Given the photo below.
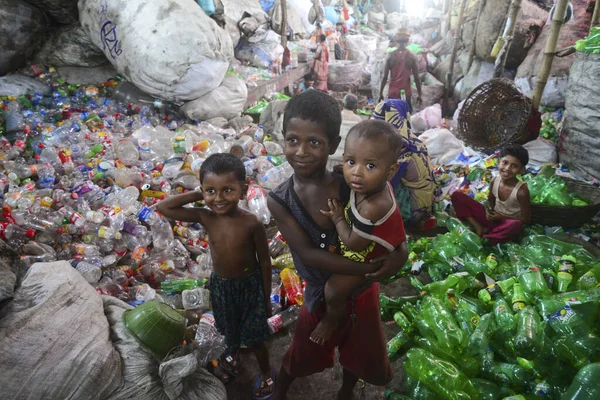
264, 388
229, 364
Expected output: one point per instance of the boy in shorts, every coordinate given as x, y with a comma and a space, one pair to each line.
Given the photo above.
240, 286
311, 129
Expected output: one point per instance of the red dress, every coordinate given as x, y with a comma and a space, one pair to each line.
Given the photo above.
320, 67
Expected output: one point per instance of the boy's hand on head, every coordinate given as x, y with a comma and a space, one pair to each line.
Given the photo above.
336, 211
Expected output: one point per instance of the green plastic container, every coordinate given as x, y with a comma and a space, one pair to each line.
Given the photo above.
156, 326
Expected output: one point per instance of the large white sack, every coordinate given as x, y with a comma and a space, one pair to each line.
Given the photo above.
360, 47
54, 339
168, 48
226, 101
442, 145
541, 151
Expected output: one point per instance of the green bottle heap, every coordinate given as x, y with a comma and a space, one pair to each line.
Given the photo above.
519, 323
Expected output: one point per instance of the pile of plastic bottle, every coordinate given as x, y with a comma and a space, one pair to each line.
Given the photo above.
590, 44
82, 171
515, 321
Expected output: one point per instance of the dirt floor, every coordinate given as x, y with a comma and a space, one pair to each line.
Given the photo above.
322, 386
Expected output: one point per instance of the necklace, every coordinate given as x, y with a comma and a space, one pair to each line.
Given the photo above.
368, 196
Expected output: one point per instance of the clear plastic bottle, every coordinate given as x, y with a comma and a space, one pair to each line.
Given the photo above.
257, 203
90, 272
196, 299
277, 175
209, 343
127, 152
278, 321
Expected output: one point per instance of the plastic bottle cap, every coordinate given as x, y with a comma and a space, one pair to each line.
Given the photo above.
30, 233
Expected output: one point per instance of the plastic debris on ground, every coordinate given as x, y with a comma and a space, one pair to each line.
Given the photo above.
510, 320
82, 174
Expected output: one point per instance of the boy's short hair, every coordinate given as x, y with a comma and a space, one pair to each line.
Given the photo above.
223, 163
373, 129
317, 107
309, 77
350, 101
517, 151
322, 37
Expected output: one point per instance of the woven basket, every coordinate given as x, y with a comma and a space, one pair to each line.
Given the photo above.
494, 114
569, 217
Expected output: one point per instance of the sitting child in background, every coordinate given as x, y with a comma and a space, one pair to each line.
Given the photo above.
306, 84
508, 206
371, 223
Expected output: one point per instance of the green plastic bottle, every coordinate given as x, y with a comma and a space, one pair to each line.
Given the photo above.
518, 298
459, 281
397, 346
527, 340
550, 278
501, 287
179, 286
447, 332
533, 282
590, 279
513, 375
466, 317
469, 365
479, 340
403, 322
418, 391
504, 316
442, 377
571, 352
585, 385
565, 272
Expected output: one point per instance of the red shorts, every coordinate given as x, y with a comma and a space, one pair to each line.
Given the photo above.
361, 344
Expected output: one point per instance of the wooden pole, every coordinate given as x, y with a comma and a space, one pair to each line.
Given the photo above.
595, 16
474, 42
284, 23
449, 86
509, 30
542, 76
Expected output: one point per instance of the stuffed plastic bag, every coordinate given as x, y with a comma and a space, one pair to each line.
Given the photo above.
170, 49
429, 118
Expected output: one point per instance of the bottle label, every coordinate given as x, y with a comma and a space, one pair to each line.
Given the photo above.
588, 280
103, 232
279, 236
75, 217
79, 249
255, 191
276, 323
566, 266
20, 144
139, 253
167, 266
144, 214
208, 318
179, 144
562, 316
518, 305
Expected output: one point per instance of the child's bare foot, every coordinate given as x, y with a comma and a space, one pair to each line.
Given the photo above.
323, 332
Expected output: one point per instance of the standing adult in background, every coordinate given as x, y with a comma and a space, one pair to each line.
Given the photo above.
320, 66
400, 64
341, 51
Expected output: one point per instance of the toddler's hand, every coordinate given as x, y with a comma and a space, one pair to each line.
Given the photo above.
336, 211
